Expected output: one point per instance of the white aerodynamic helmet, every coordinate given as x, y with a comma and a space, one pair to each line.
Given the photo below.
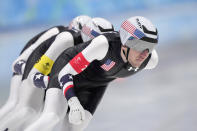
95, 27
138, 33
78, 22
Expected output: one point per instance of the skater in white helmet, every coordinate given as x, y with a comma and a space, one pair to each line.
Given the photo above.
82, 73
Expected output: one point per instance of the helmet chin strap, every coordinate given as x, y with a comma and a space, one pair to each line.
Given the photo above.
126, 54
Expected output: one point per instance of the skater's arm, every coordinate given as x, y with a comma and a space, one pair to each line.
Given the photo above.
41, 37
63, 41
96, 50
17, 67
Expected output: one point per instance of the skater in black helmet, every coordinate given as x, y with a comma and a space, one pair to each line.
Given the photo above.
82, 73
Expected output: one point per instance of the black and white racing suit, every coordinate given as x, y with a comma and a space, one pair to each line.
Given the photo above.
86, 70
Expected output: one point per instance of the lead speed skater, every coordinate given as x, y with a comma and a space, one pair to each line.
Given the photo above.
82, 73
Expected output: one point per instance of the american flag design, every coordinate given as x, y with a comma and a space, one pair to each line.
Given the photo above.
65, 79
89, 32
66, 82
108, 65
131, 29
39, 80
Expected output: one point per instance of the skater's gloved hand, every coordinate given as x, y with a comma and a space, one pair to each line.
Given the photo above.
77, 113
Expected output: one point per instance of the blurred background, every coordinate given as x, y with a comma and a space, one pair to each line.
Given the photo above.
163, 99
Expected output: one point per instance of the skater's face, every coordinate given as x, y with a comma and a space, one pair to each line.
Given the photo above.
135, 58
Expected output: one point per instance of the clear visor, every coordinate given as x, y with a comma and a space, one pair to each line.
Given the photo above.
139, 45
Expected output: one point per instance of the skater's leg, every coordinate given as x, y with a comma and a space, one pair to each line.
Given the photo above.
29, 106
13, 97
54, 111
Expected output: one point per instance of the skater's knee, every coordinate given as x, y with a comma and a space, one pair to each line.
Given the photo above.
54, 114
46, 122
50, 116
55, 102
28, 110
